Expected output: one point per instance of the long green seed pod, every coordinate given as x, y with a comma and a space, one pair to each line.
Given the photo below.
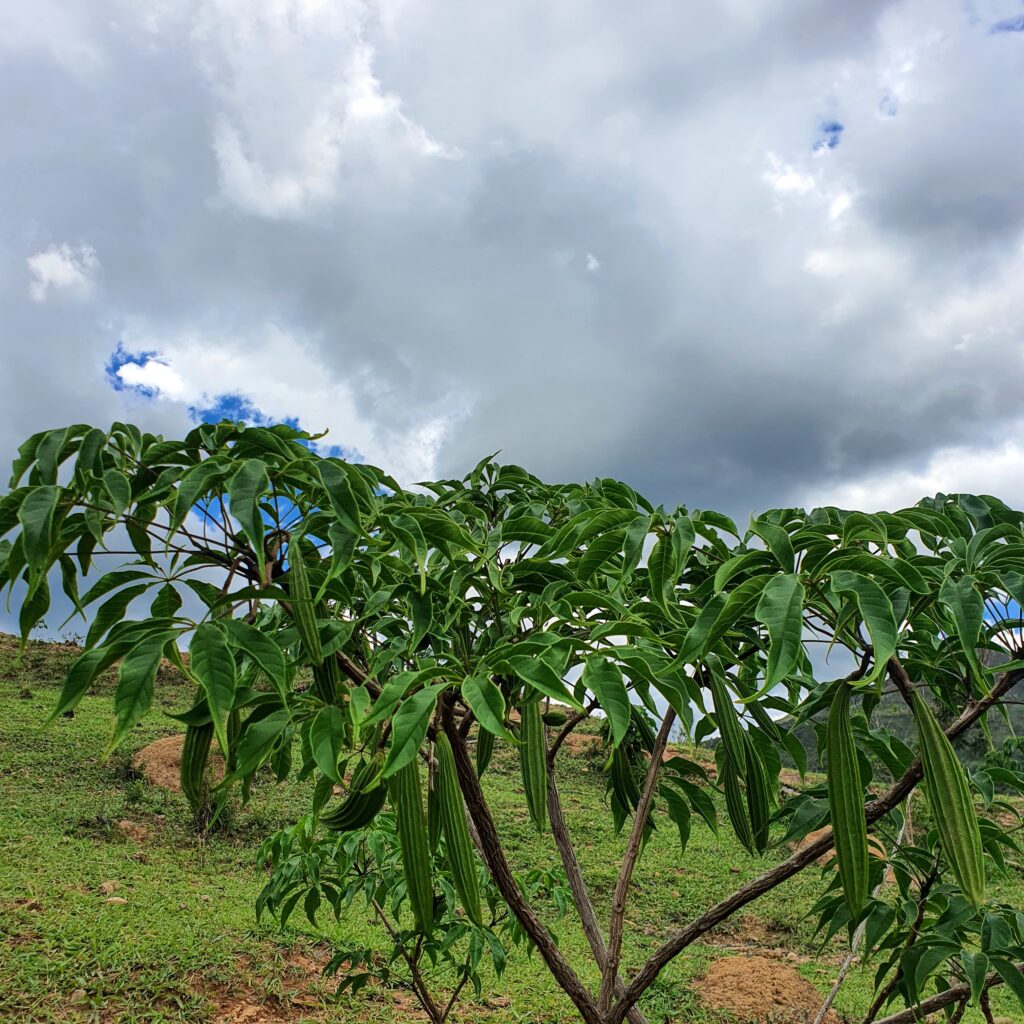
360, 806
758, 798
846, 803
734, 763
533, 763
954, 815
326, 677
195, 753
484, 750
302, 603
407, 800
433, 813
458, 845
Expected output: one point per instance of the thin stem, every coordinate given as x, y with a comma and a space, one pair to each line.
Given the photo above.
955, 994
636, 838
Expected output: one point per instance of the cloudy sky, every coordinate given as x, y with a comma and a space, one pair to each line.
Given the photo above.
740, 254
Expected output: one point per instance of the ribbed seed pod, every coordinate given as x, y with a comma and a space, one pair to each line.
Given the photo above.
735, 744
433, 813
954, 815
736, 807
326, 677
533, 763
758, 798
195, 753
458, 845
360, 806
413, 838
624, 783
846, 803
484, 750
302, 603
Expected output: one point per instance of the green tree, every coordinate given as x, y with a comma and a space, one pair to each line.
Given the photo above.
394, 635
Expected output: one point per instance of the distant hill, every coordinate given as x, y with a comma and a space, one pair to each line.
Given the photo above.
894, 715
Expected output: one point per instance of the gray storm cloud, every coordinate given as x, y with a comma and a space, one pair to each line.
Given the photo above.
739, 254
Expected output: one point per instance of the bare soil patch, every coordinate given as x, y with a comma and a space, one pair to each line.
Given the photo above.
758, 990
160, 762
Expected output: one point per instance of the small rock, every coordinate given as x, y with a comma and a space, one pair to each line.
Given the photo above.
109, 888
734, 871
183, 906
116, 900
205, 898
247, 1012
78, 997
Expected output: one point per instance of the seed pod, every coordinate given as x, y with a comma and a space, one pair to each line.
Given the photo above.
758, 798
484, 750
624, 784
302, 603
533, 763
360, 806
458, 845
414, 840
326, 677
954, 815
846, 803
433, 812
735, 805
195, 753
554, 718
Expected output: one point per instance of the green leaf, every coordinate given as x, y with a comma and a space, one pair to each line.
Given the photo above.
780, 610
135, 681
166, 602
599, 551
195, 484
777, 541
409, 729
113, 611
542, 677
604, 679
85, 668
327, 740
976, 969
488, 704
257, 742
263, 650
340, 494
244, 492
111, 581
213, 666
679, 812
968, 608
119, 489
875, 611
36, 518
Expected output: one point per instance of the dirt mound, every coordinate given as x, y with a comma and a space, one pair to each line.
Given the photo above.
762, 991
160, 762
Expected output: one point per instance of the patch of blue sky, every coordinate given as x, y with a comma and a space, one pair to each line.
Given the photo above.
122, 357
888, 105
829, 135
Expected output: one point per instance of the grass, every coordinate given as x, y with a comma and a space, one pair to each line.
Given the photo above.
186, 947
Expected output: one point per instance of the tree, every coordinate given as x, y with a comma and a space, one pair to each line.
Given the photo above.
396, 633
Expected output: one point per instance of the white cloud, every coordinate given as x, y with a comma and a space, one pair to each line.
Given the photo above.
64, 269
593, 263
301, 105
280, 375
996, 468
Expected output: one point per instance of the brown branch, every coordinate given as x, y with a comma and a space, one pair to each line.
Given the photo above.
580, 896
633, 846
951, 995
878, 808
501, 873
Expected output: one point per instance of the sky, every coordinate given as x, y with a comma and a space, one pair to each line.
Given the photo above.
740, 254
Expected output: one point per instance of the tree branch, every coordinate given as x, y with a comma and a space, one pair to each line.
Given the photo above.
580, 896
501, 873
878, 808
636, 838
951, 995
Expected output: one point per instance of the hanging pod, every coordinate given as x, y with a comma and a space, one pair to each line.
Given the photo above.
533, 763
413, 838
458, 845
953, 808
846, 803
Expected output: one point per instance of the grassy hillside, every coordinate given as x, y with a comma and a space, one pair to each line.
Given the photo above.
184, 944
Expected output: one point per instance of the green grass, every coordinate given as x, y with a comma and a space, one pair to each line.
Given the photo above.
186, 946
